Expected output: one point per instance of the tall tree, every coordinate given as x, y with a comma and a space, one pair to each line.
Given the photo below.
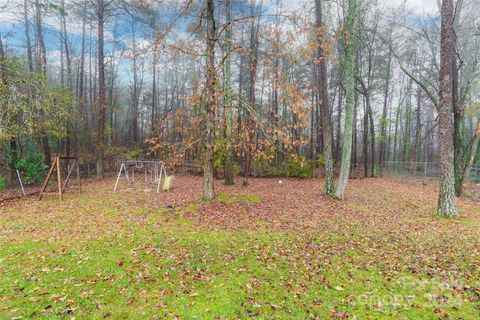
252, 81
102, 107
65, 48
64, 35
136, 88
28, 42
472, 152
383, 120
208, 185
458, 107
322, 93
446, 197
43, 70
4, 93
154, 89
228, 96
348, 42
81, 76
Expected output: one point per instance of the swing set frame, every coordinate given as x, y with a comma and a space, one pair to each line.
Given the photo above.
154, 170
62, 186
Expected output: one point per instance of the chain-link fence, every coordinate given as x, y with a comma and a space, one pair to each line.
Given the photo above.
423, 169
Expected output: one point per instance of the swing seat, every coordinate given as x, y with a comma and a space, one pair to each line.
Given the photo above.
167, 183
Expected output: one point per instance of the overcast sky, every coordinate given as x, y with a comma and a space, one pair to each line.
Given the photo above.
419, 7
11, 25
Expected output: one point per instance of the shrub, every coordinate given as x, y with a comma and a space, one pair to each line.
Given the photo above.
12, 157
31, 165
3, 183
132, 154
299, 167
220, 157
262, 167
321, 160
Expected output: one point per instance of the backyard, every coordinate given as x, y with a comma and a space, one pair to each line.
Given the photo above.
269, 250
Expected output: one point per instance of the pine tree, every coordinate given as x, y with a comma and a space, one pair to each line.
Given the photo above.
208, 186
446, 197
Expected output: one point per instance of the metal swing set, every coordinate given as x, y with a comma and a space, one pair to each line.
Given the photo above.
153, 172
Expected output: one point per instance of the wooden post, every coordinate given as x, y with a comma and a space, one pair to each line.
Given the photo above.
50, 171
69, 174
62, 186
59, 179
78, 177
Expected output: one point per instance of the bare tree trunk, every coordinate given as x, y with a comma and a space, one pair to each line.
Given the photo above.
313, 114
27, 35
418, 129
208, 185
229, 164
395, 135
39, 35
388, 155
383, 121
154, 91
100, 150
240, 108
472, 152
322, 91
372, 138
368, 127
65, 45
458, 109
354, 130
348, 40
66, 52
43, 70
275, 84
339, 125
446, 197
110, 100
407, 124
318, 122
62, 59
459, 129
365, 138
136, 92
81, 78
251, 100
91, 87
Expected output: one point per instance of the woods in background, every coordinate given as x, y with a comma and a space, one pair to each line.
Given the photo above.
269, 88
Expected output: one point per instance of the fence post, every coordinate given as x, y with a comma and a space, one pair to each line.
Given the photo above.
425, 170
21, 183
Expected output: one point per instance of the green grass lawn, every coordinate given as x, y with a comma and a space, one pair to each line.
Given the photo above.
103, 255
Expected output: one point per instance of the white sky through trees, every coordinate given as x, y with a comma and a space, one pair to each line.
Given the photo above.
12, 29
